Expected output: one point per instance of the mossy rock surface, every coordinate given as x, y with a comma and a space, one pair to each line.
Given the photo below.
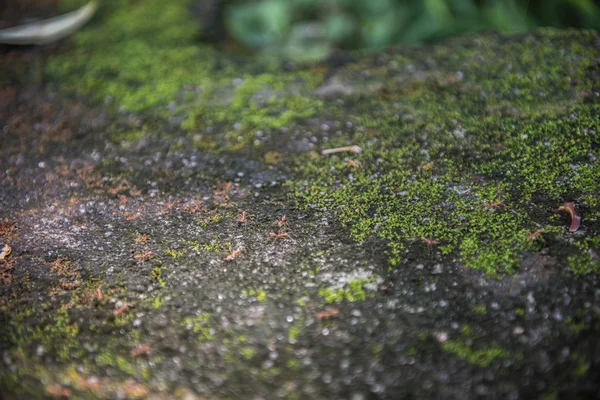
174, 229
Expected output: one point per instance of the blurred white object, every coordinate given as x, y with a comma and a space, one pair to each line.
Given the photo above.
49, 30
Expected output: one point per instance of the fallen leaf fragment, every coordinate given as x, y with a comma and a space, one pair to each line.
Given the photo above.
427, 167
49, 30
135, 390
353, 164
143, 256
142, 238
4, 251
99, 294
328, 313
243, 217
58, 391
142, 349
281, 222
194, 207
575, 219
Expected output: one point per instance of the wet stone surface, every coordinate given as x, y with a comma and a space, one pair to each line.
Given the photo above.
151, 258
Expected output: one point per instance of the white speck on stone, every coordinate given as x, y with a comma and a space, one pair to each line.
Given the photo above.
441, 337
430, 287
518, 330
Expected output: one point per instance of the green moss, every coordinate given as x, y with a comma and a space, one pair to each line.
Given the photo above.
377, 349
293, 364
483, 357
577, 322
352, 291
158, 302
157, 275
61, 336
519, 312
583, 262
467, 330
469, 166
120, 362
260, 294
124, 365
124, 61
301, 302
175, 253
128, 136
248, 352
582, 365
199, 324
472, 155
269, 373
122, 56
481, 309
105, 359
216, 247
294, 333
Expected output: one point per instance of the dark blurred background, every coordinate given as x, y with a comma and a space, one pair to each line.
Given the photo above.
310, 29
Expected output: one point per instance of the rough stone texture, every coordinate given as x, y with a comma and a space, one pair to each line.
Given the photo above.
175, 232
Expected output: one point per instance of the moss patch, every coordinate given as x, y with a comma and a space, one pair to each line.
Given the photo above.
123, 61
353, 291
469, 152
473, 163
482, 357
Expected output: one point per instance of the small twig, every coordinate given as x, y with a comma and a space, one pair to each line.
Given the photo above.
353, 149
534, 235
234, 254
430, 243
494, 204
330, 312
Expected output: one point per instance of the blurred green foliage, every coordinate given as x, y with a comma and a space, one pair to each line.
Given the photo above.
310, 29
